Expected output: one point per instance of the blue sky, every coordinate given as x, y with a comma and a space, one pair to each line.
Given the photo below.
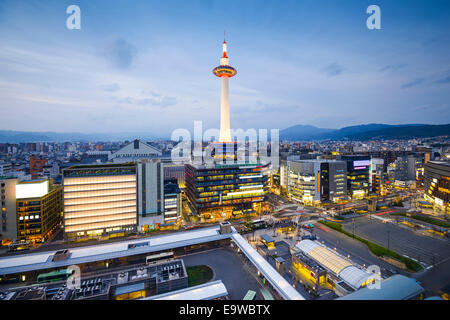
145, 66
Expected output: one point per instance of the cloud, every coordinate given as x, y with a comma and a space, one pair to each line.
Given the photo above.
333, 69
160, 101
113, 87
443, 80
119, 52
393, 67
413, 83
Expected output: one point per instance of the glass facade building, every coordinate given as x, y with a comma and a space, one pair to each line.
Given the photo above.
436, 180
224, 191
358, 175
315, 181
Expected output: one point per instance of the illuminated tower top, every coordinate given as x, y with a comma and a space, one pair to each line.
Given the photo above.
224, 70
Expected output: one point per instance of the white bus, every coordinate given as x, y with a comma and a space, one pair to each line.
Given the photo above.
159, 257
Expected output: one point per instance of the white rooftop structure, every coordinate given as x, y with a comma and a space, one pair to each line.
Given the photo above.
206, 291
134, 151
397, 287
333, 262
43, 260
276, 280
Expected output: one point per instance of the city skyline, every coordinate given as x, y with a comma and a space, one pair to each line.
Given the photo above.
142, 69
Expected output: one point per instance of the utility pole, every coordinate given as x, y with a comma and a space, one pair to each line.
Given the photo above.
388, 238
353, 219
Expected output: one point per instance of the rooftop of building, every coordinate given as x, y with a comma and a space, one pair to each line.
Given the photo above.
44, 260
207, 291
316, 160
334, 263
103, 166
443, 163
397, 287
308, 261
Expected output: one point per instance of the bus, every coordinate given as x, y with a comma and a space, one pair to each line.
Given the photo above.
55, 276
159, 257
19, 246
259, 224
266, 294
250, 295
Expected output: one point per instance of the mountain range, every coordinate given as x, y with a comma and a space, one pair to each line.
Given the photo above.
364, 132
300, 132
10, 136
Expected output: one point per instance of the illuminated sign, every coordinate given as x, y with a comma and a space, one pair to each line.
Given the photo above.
32, 189
361, 163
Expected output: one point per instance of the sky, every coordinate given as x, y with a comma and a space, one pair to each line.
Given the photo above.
146, 66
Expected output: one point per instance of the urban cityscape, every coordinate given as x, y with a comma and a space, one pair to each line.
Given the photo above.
360, 211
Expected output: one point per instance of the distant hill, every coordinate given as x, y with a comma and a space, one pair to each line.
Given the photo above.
365, 132
403, 132
23, 136
305, 131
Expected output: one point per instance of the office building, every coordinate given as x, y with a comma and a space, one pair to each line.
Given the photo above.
8, 231
314, 181
376, 175
5, 169
172, 202
150, 193
405, 168
99, 200
174, 170
223, 191
358, 169
39, 210
36, 166
436, 181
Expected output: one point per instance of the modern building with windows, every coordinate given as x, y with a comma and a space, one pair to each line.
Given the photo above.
405, 168
5, 169
172, 202
436, 180
376, 175
8, 231
150, 193
99, 199
358, 171
223, 191
39, 210
315, 181
174, 170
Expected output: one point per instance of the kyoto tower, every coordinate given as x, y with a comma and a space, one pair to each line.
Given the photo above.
224, 71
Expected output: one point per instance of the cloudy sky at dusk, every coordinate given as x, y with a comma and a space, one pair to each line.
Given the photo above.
145, 66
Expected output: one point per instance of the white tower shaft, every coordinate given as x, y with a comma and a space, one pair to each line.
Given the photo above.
225, 134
